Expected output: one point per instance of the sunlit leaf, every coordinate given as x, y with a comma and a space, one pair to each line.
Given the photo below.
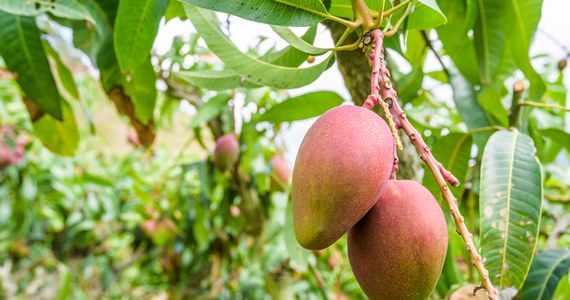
247, 66
426, 15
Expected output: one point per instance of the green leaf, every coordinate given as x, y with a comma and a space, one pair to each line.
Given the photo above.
520, 21
249, 67
300, 44
215, 80
61, 137
210, 109
142, 90
416, 48
68, 9
227, 79
409, 85
440, 76
545, 273
301, 107
454, 36
489, 37
135, 29
64, 78
274, 12
343, 8
510, 205
466, 102
299, 255
426, 15
558, 135
24, 55
453, 151
490, 100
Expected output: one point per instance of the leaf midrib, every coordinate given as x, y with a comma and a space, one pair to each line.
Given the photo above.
485, 41
510, 178
143, 17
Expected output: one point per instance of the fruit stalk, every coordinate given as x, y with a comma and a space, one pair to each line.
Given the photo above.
383, 93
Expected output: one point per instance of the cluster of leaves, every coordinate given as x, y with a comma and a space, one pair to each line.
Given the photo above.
510, 178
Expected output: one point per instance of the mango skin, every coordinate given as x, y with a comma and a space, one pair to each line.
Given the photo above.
342, 165
398, 249
226, 152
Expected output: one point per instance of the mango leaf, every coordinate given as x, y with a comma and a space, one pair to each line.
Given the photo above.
558, 135
299, 255
301, 107
454, 36
289, 36
522, 16
510, 205
68, 9
210, 109
545, 273
64, 78
24, 55
219, 80
343, 8
489, 37
274, 12
61, 137
426, 15
135, 29
409, 84
142, 90
490, 100
453, 151
466, 102
247, 66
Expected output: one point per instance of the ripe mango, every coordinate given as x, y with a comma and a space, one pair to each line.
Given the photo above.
398, 249
226, 152
342, 165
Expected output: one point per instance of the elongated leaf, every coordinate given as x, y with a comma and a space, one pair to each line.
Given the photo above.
215, 80
274, 12
301, 107
522, 17
142, 90
69, 9
490, 100
453, 152
467, 106
545, 272
300, 44
228, 79
426, 15
24, 55
251, 68
135, 29
489, 37
455, 37
510, 205
210, 109
61, 137
343, 8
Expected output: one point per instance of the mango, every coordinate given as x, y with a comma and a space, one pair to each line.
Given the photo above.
280, 173
226, 152
343, 163
398, 249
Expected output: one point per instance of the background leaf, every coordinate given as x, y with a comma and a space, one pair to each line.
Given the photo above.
426, 15
545, 272
68, 9
135, 29
61, 137
302, 107
510, 205
24, 55
210, 109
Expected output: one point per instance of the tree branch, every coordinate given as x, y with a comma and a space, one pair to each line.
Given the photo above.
442, 176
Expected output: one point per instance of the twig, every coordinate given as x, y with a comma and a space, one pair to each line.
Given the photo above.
394, 29
430, 46
514, 117
544, 105
442, 176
